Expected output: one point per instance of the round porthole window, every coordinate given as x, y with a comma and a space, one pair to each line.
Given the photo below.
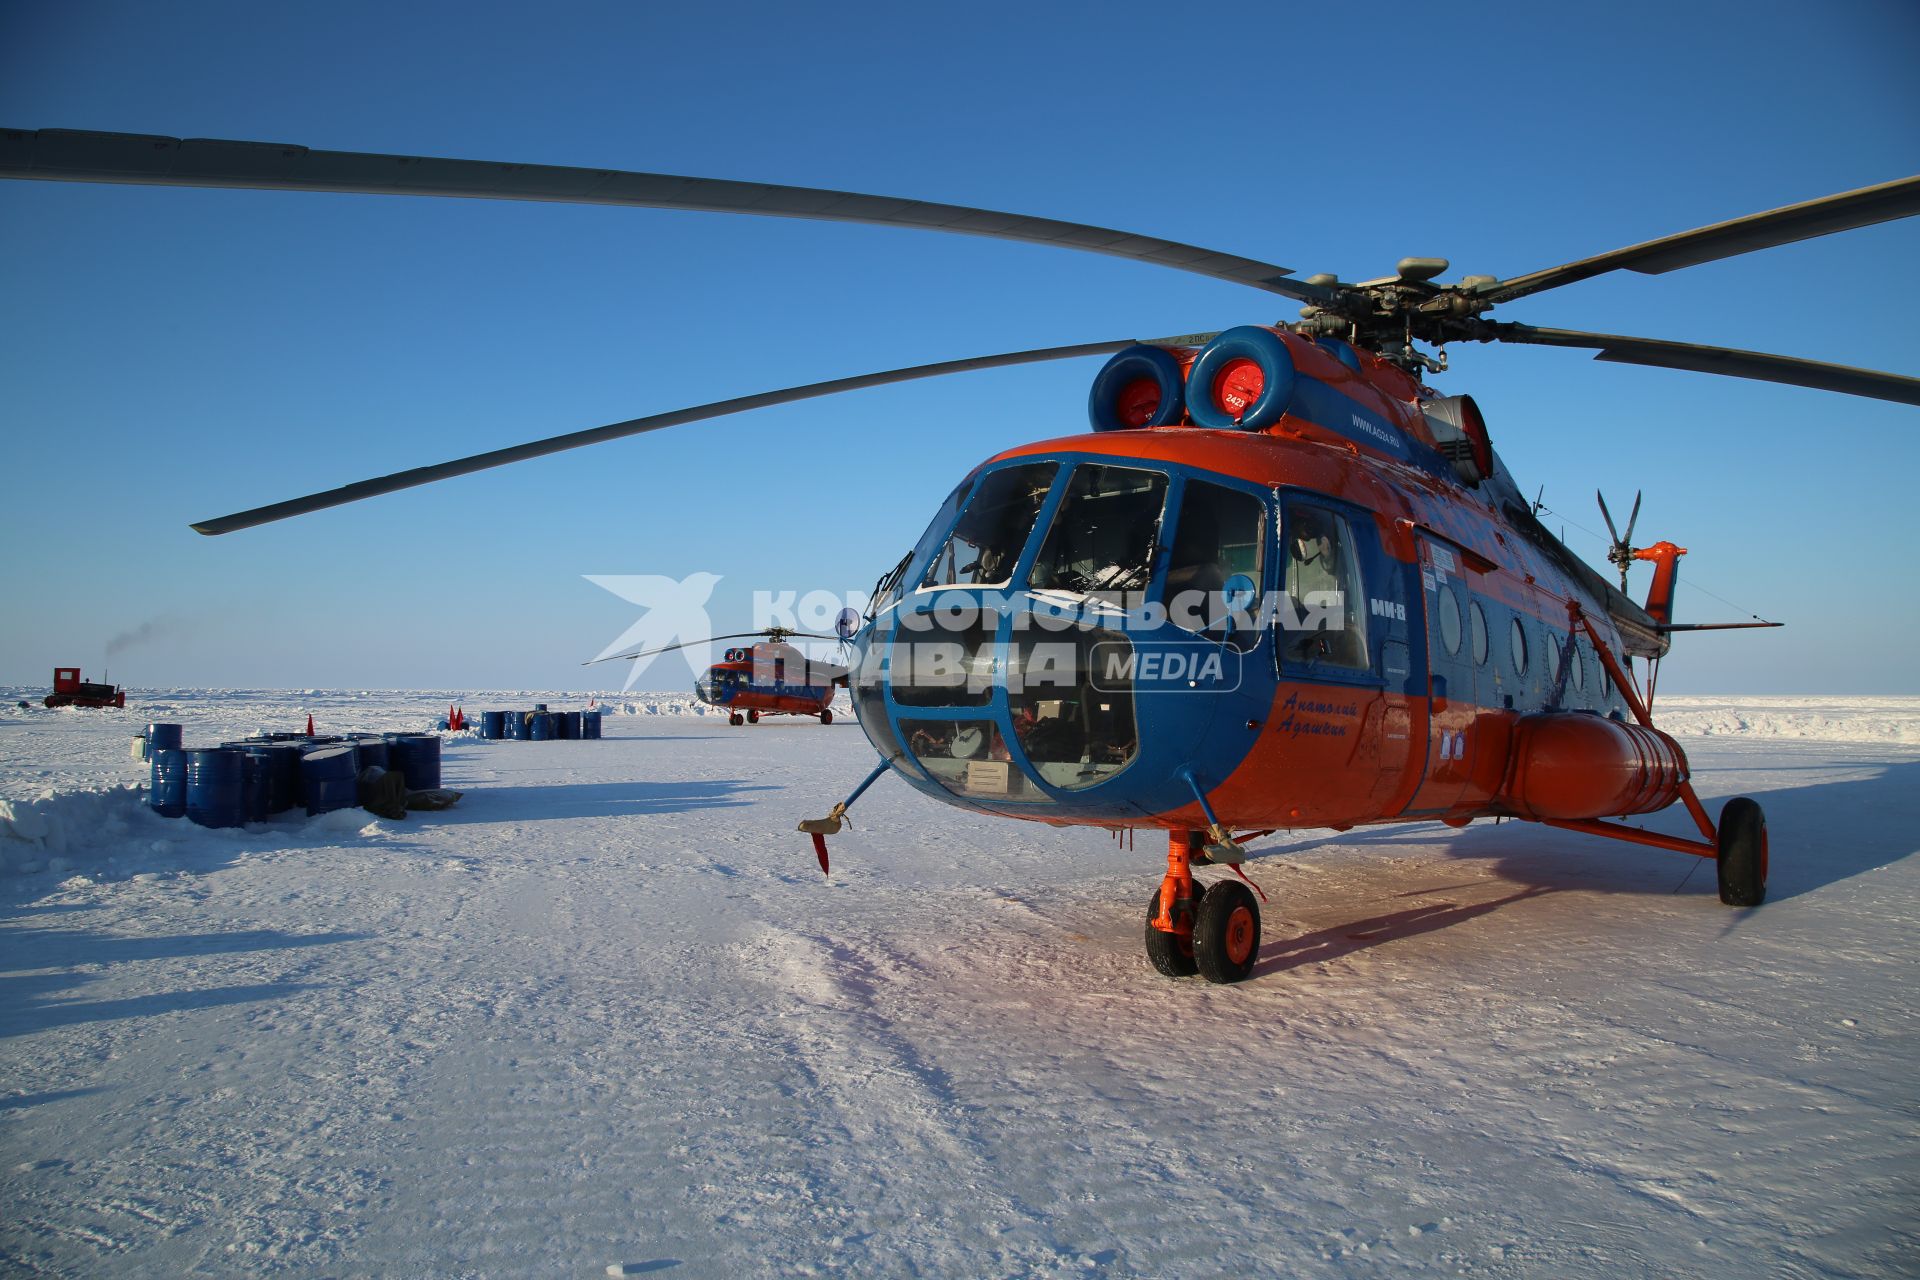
1449, 620
1518, 640
1579, 665
1479, 621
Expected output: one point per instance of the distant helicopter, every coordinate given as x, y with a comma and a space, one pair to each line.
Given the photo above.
768, 678
1283, 583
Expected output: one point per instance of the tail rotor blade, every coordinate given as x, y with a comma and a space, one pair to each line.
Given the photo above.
1606, 515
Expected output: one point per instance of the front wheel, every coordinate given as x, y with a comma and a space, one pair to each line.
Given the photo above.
826, 717
736, 719
1226, 933
1170, 953
753, 717
1742, 858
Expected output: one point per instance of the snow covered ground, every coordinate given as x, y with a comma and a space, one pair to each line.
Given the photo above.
606, 1012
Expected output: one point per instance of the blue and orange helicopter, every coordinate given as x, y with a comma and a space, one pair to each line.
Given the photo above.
771, 677
1282, 583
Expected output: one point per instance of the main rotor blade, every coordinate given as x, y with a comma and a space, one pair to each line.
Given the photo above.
72, 155
1842, 212
1724, 360
633, 427
689, 644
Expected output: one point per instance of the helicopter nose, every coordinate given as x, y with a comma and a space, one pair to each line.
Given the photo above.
1093, 719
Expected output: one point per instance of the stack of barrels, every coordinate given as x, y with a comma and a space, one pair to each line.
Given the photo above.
253, 779
539, 724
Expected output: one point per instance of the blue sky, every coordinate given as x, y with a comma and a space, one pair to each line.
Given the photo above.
169, 355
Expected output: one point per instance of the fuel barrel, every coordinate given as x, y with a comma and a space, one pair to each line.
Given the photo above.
255, 786
330, 779
569, 724
516, 725
417, 757
493, 724
540, 726
162, 737
373, 751
216, 786
169, 789
589, 724
279, 775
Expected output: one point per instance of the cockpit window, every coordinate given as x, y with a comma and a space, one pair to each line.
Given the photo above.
1104, 533
1221, 534
1326, 625
986, 541
893, 583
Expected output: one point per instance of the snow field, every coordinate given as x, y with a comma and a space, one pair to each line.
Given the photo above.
605, 1014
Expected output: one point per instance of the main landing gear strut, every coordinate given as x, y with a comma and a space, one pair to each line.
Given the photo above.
1738, 846
1193, 928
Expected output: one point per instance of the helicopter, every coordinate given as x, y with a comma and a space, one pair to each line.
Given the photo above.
1282, 583
768, 678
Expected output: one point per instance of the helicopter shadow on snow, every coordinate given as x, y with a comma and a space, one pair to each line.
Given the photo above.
36, 987
556, 801
1820, 833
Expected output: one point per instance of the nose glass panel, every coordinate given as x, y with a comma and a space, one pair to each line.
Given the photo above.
1071, 699
944, 658
969, 758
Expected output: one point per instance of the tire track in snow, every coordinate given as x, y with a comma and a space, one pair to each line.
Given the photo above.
893, 1114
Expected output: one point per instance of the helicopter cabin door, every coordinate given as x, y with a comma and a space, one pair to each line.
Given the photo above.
1450, 676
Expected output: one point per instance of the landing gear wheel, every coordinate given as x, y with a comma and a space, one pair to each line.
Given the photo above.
1226, 933
753, 717
826, 717
736, 720
1169, 953
1743, 853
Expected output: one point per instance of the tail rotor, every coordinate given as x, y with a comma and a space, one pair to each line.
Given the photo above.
1620, 553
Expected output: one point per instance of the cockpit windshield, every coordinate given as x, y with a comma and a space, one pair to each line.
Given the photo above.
992, 530
1104, 533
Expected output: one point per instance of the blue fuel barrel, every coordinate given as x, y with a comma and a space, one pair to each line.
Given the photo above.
169, 789
216, 786
569, 724
590, 724
539, 706
493, 724
516, 725
373, 751
417, 757
256, 785
330, 779
540, 726
278, 778
162, 737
